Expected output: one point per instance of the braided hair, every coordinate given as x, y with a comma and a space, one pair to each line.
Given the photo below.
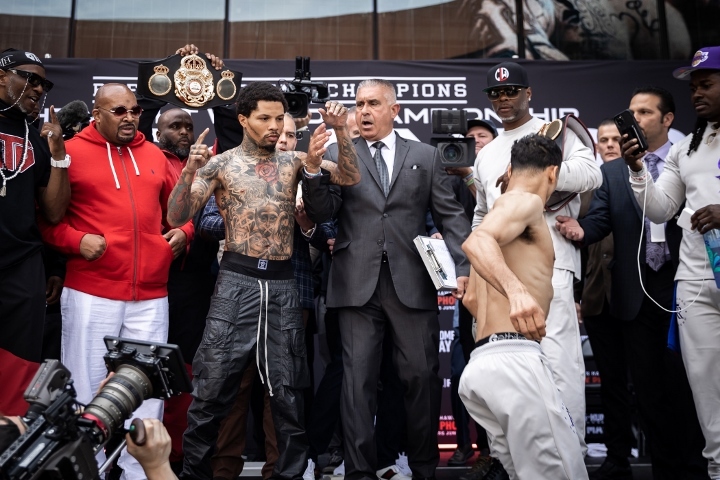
698, 131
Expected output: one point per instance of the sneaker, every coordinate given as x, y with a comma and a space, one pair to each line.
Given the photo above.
479, 469
402, 464
609, 470
496, 472
340, 470
335, 460
391, 473
461, 456
309, 471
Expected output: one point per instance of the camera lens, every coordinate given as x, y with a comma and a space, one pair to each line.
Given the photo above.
120, 396
452, 153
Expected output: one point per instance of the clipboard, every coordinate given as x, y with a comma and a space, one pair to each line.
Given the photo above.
438, 262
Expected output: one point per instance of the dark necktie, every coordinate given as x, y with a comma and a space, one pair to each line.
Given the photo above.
381, 167
654, 251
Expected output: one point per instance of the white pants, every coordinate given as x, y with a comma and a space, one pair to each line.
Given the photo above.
87, 319
508, 388
699, 329
563, 349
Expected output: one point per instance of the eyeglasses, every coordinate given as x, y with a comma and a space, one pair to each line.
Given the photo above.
509, 92
121, 111
33, 79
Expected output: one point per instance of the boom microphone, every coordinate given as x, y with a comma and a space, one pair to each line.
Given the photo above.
73, 117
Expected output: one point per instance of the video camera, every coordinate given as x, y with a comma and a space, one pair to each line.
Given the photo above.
61, 439
301, 91
454, 151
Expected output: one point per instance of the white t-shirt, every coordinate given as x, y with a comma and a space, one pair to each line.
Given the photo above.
578, 173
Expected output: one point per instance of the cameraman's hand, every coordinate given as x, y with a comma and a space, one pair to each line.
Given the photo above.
191, 49
154, 455
334, 115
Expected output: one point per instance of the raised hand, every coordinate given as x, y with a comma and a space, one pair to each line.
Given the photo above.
191, 49
53, 132
334, 115
316, 149
199, 154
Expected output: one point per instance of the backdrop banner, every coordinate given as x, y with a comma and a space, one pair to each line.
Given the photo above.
591, 90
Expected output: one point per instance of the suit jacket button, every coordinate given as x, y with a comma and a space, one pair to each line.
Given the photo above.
379, 242
385, 215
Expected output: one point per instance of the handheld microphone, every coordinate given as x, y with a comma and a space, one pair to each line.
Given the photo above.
73, 117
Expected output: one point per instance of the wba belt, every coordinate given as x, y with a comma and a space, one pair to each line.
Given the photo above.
188, 81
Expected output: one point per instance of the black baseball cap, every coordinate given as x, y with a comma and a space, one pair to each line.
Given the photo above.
506, 74
489, 124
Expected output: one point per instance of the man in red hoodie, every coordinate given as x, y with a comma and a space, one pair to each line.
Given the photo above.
112, 233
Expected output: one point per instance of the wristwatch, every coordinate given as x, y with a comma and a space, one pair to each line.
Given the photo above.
65, 163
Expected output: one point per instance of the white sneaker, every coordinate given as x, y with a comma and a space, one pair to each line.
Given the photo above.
340, 470
391, 473
402, 464
309, 471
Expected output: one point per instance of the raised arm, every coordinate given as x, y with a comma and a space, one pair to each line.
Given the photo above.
346, 171
192, 191
55, 197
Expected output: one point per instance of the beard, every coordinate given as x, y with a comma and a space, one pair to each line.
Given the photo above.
181, 153
517, 113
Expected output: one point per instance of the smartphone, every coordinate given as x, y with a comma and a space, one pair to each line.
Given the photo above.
626, 124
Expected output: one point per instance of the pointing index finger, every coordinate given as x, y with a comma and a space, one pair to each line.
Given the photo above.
202, 136
53, 117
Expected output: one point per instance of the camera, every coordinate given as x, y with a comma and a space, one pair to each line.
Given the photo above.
454, 151
302, 91
61, 438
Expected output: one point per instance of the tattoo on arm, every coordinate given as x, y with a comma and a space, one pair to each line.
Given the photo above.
347, 171
189, 196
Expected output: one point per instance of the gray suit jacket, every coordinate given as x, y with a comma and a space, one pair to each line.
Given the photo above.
369, 224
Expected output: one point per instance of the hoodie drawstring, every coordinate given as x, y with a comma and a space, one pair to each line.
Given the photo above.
257, 340
112, 167
137, 172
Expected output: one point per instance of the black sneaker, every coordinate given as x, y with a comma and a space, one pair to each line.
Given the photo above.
479, 469
496, 472
336, 460
461, 456
611, 470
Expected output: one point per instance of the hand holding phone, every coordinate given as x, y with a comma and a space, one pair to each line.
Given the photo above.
633, 144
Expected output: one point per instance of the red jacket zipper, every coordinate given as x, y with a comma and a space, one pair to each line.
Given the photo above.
135, 227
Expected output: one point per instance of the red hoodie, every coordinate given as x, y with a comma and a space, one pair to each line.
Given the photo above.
120, 193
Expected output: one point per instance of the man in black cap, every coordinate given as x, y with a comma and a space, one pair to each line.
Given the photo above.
32, 170
510, 94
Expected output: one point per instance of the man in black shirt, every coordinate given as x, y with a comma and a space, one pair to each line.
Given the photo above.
32, 171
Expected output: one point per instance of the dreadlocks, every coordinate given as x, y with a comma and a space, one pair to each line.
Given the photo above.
698, 131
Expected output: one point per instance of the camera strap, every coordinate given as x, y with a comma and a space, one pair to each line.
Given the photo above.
556, 130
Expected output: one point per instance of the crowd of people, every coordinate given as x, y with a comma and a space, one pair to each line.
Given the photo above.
239, 251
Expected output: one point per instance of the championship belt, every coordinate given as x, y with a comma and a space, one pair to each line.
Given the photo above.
189, 81
555, 130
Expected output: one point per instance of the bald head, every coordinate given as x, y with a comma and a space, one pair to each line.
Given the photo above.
116, 129
175, 132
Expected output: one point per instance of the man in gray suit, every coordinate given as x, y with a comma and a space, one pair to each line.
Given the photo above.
378, 280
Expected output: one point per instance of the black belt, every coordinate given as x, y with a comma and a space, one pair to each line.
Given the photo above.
502, 336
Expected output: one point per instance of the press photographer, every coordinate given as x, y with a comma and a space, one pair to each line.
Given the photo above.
59, 438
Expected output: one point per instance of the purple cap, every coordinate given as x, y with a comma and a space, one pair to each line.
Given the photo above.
707, 58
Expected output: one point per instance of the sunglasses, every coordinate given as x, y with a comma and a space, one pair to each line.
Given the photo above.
33, 79
123, 111
509, 92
